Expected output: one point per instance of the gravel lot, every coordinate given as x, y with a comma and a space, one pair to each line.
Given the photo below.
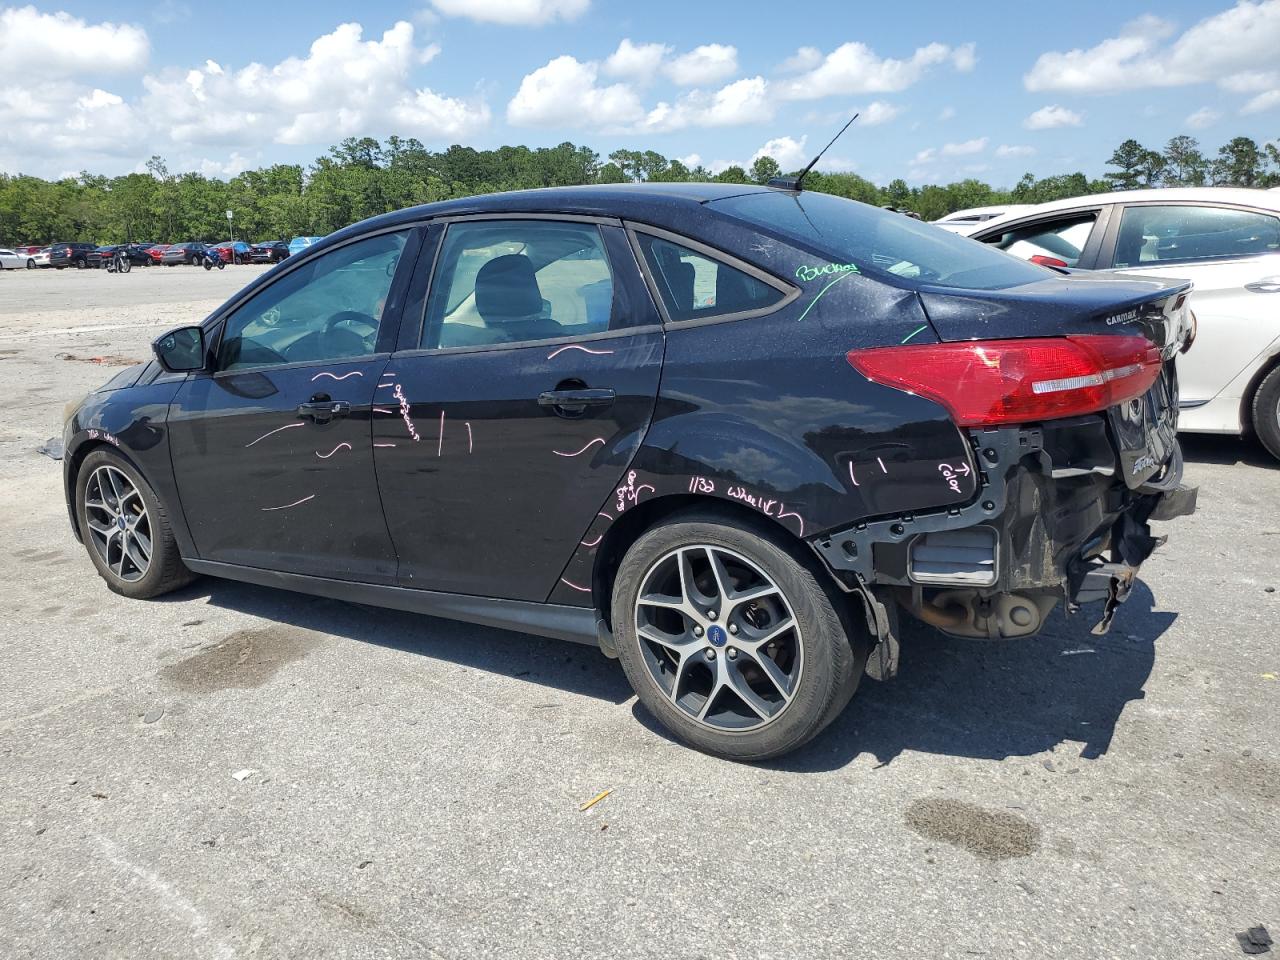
415, 783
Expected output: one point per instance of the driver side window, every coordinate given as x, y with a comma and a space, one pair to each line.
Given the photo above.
328, 309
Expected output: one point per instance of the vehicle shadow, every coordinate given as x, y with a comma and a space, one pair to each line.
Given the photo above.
1217, 448
570, 667
990, 700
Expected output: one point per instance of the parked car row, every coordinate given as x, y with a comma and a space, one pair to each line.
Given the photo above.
192, 253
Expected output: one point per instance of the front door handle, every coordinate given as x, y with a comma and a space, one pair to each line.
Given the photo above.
322, 411
1265, 285
576, 401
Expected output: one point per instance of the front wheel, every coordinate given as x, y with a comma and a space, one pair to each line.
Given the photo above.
208, 265
126, 528
1266, 412
730, 641
80, 264
125, 265
31, 264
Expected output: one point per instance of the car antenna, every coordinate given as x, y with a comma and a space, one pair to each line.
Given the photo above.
796, 183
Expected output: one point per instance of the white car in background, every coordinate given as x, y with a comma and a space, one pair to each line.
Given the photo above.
11, 260
1226, 241
40, 258
964, 222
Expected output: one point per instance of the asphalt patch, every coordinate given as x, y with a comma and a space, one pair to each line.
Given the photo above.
990, 834
241, 661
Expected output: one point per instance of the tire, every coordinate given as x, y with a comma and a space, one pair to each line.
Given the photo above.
716, 695
222, 264
208, 265
80, 264
125, 265
165, 570
31, 264
1265, 411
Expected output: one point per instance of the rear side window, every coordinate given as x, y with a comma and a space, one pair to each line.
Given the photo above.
879, 242
516, 281
1056, 243
1183, 234
695, 286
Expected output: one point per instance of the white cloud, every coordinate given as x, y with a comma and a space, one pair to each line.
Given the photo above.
346, 86
60, 45
565, 92
806, 58
1239, 40
947, 113
1204, 117
1047, 118
743, 101
691, 161
855, 68
876, 113
1007, 151
1263, 101
965, 57
976, 145
705, 64
789, 152
1251, 81
638, 60
513, 12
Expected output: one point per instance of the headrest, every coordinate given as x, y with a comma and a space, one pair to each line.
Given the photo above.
507, 289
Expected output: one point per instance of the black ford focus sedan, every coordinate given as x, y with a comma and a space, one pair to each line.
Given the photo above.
725, 433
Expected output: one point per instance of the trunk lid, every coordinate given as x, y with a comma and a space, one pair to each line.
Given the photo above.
1143, 430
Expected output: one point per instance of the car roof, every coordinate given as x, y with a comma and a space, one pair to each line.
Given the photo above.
640, 201
1242, 196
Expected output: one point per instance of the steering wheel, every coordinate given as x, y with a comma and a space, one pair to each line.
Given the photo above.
332, 338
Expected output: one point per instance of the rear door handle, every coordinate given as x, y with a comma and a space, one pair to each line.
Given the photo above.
322, 411
1265, 285
575, 401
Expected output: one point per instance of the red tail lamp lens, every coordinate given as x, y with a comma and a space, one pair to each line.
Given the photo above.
985, 383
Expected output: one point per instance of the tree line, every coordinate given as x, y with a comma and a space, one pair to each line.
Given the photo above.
362, 177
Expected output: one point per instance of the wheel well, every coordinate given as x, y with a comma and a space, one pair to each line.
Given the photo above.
74, 463
1246, 401
633, 524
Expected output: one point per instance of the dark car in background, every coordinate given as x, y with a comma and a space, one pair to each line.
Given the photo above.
192, 253
78, 255
725, 433
136, 253
232, 251
269, 251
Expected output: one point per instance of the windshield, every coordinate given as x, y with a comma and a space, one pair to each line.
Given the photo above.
880, 242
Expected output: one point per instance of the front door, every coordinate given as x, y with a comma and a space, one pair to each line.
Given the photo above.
272, 449
513, 418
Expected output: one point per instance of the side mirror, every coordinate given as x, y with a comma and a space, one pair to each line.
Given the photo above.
181, 350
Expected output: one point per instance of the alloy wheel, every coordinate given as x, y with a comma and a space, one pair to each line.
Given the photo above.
719, 638
119, 526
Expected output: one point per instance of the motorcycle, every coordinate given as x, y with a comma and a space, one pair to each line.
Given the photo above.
213, 259
119, 263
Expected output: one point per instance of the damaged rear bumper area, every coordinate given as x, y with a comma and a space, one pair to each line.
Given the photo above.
1052, 521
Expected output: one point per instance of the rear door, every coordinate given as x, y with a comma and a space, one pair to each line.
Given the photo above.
1232, 255
515, 405
271, 449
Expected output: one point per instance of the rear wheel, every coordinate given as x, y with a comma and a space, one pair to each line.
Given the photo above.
730, 641
1266, 412
126, 528
31, 264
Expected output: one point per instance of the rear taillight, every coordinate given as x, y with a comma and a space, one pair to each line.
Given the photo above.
985, 383
1047, 261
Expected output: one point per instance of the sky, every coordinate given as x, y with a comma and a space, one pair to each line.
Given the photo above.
946, 90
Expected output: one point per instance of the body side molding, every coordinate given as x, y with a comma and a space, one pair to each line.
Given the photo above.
575, 624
